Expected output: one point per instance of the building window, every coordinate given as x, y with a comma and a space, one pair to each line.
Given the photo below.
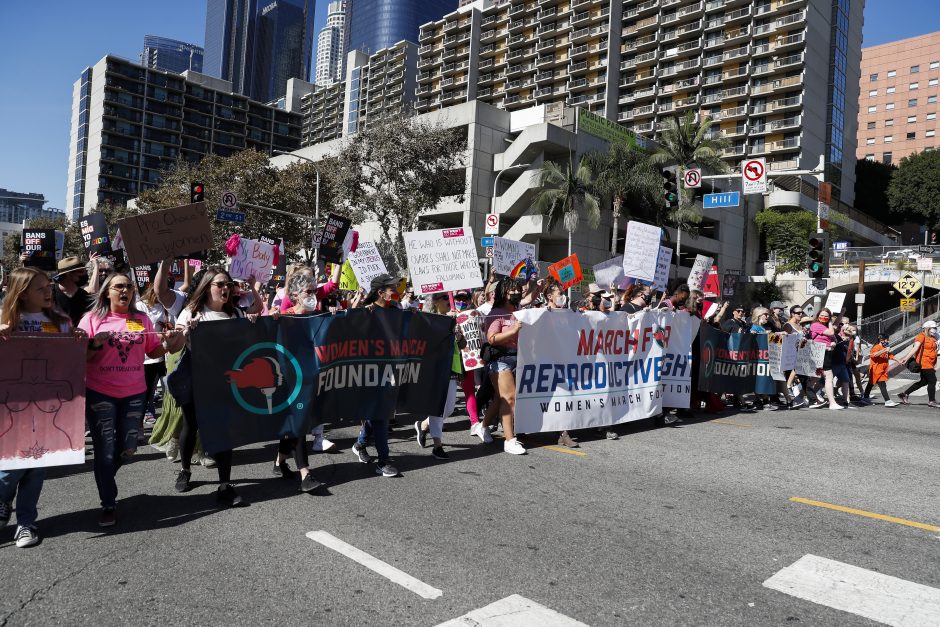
891, 90
929, 133
912, 102
870, 141
933, 82
911, 119
889, 106
892, 73
871, 125
934, 65
872, 109
912, 135
928, 149
870, 157
873, 77
913, 86
872, 93
915, 69
931, 116
886, 157
889, 122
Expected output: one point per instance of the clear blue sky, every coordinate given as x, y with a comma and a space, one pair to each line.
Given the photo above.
45, 44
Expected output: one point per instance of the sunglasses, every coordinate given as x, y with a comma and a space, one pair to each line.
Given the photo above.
122, 287
797, 313
223, 284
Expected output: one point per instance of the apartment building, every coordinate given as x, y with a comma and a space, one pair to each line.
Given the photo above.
130, 122
778, 75
897, 113
322, 114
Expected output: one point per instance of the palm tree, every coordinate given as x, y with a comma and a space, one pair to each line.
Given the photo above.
563, 194
624, 175
683, 142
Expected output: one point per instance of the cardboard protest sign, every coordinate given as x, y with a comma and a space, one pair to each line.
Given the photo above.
663, 263
512, 258
712, 289
42, 401
39, 247
809, 358
470, 328
610, 272
332, 238
347, 278
253, 259
177, 232
94, 229
444, 260
641, 250
567, 271
699, 274
367, 263
835, 302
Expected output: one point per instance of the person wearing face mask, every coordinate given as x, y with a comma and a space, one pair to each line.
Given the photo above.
637, 298
824, 331
879, 362
557, 300
463, 303
502, 332
70, 294
924, 351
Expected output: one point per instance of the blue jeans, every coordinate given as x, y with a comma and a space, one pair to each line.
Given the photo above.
378, 431
25, 484
114, 423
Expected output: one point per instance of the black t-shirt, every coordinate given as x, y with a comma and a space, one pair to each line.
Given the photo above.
75, 306
631, 308
734, 326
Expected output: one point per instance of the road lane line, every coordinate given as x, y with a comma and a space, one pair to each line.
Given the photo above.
728, 422
862, 592
513, 610
861, 512
561, 449
375, 564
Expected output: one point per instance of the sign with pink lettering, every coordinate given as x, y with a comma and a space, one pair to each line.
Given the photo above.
253, 259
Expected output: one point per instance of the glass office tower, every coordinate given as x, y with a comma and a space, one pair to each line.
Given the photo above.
162, 53
378, 24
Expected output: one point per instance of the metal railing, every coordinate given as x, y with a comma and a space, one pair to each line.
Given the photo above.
896, 324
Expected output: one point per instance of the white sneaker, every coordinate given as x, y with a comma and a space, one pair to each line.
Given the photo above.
836, 407
173, 450
321, 444
513, 447
481, 432
891, 403
26, 536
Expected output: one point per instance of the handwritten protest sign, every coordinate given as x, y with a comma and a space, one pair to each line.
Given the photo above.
809, 358
347, 278
835, 302
699, 274
663, 263
567, 271
253, 259
94, 229
610, 272
367, 263
774, 356
470, 325
39, 247
511, 258
443, 260
332, 238
641, 250
177, 232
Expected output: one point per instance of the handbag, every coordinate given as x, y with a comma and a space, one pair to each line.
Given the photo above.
913, 362
179, 383
490, 353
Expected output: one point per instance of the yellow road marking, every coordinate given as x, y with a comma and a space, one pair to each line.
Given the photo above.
561, 449
861, 512
727, 422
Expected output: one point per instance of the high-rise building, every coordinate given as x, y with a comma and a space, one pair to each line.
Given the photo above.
258, 45
131, 122
897, 113
330, 45
19, 206
162, 53
378, 24
779, 76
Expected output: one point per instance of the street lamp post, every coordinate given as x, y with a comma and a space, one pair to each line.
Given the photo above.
316, 248
493, 199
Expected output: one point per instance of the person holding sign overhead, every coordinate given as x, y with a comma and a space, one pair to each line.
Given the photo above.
121, 338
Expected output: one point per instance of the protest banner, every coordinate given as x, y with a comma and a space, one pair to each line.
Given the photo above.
367, 263
677, 382
42, 401
729, 283
663, 263
809, 358
143, 275
257, 382
177, 232
699, 273
254, 258
444, 260
94, 229
641, 250
332, 238
609, 272
733, 363
774, 357
567, 271
712, 288
39, 248
835, 302
470, 326
580, 370
512, 258
790, 344
347, 278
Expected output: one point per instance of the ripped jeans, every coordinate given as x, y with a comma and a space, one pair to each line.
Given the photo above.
114, 423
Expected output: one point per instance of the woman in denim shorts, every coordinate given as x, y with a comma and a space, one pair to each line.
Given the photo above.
502, 332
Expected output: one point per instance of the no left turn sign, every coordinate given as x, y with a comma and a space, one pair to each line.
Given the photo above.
754, 176
692, 178
229, 200
492, 224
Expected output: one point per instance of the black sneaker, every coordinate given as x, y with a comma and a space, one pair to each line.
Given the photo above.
6, 510
309, 483
283, 470
362, 453
438, 453
182, 481
386, 469
107, 517
228, 496
421, 436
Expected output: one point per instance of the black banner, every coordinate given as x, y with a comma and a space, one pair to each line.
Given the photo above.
733, 363
39, 247
257, 382
332, 238
94, 228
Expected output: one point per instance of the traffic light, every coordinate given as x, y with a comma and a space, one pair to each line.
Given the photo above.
197, 192
670, 187
817, 257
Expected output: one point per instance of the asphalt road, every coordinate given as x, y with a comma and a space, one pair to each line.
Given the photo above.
666, 526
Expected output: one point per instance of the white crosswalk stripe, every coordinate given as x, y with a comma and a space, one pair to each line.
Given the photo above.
513, 611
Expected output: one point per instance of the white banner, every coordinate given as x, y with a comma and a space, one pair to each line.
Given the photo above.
366, 263
510, 256
809, 358
253, 259
580, 370
444, 260
677, 361
641, 249
699, 273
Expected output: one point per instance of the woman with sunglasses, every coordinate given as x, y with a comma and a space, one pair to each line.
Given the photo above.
121, 339
211, 300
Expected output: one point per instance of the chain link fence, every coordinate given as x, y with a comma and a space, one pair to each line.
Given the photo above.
896, 324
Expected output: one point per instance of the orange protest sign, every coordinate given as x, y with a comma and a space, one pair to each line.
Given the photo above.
567, 271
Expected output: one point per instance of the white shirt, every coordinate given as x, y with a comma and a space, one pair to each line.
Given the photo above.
40, 323
206, 315
161, 317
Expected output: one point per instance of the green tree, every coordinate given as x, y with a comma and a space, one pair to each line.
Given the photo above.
915, 188
787, 234
625, 178
563, 195
871, 190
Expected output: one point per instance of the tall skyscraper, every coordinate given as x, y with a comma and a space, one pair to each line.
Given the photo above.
378, 24
331, 45
162, 53
259, 45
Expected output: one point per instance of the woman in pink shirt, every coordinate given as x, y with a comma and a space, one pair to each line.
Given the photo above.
824, 331
502, 332
121, 338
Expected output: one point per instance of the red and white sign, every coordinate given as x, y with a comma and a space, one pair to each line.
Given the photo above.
492, 224
754, 176
692, 179
444, 260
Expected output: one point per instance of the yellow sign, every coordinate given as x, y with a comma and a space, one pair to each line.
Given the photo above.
907, 285
347, 280
908, 305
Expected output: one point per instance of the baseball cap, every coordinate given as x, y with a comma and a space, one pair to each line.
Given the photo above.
930, 324
777, 305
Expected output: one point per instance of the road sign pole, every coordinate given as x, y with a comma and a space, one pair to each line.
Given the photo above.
860, 299
923, 292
